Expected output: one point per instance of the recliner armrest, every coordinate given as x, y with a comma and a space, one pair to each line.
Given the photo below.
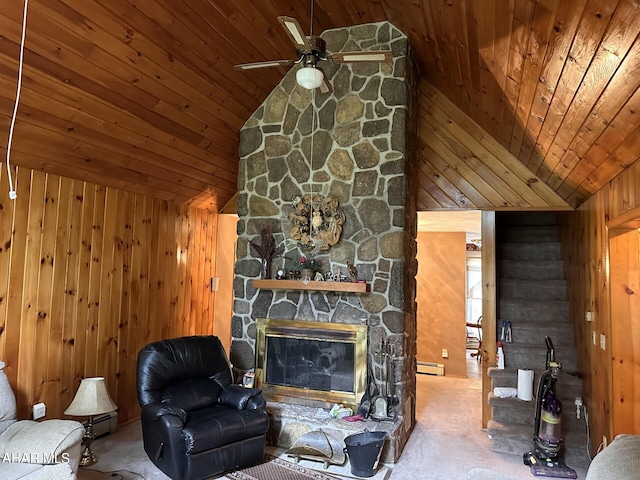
155, 411
241, 398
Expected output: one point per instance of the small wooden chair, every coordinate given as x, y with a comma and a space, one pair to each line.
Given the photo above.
477, 324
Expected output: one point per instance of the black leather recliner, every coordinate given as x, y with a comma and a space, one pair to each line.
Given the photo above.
195, 422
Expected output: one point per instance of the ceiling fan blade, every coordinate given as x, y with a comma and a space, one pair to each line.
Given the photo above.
270, 63
324, 86
366, 56
297, 36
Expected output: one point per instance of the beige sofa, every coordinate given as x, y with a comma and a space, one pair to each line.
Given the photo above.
619, 461
47, 450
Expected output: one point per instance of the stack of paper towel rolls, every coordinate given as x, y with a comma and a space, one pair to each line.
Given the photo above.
525, 384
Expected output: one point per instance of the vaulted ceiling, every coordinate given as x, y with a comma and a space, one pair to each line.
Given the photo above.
142, 94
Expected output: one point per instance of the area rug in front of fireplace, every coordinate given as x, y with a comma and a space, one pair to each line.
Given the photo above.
94, 474
275, 468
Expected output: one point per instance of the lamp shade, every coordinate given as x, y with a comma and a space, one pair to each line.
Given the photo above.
309, 77
91, 398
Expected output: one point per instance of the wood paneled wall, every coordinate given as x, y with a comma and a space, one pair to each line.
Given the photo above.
462, 167
89, 275
441, 299
587, 243
624, 251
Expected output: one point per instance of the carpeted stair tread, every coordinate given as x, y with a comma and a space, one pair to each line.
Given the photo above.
568, 387
513, 410
524, 434
561, 333
532, 290
517, 440
529, 251
528, 233
530, 219
541, 270
523, 355
508, 377
533, 311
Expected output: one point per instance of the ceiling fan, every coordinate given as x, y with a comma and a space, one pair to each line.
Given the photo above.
310, 50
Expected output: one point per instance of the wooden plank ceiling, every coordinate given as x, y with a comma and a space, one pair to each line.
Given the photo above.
141, 94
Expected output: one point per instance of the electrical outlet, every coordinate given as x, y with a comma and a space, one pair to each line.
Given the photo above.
213, 284
588, 316
603, 341
39, 411
593, 336
445, 353
604, 441
578, 403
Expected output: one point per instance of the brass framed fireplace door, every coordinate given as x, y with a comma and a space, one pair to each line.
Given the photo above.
311, 363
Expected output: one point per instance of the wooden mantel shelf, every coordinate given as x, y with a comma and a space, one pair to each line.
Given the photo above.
352, 287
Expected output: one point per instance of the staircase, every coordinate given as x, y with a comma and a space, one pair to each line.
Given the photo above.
532, 296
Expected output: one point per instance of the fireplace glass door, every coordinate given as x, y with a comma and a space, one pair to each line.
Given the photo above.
312, 363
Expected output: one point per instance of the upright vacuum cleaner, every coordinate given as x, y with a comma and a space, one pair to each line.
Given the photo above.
545, 459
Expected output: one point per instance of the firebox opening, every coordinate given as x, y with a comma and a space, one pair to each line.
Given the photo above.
311, 363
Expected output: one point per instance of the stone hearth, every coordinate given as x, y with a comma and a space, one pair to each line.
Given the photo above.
357, 143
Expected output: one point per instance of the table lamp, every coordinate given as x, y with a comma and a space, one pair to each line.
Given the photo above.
91, 399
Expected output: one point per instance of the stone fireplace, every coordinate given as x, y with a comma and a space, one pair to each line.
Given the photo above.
358, 144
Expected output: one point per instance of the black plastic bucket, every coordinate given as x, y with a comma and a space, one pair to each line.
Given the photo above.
364, 451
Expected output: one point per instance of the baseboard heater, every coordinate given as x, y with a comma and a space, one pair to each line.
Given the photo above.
104, 424
428, 368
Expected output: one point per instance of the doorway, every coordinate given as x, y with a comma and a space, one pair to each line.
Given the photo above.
473, 331
225, 256
443, 307
624, 268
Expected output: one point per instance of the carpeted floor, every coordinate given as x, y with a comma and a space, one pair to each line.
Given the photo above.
446, 443
90, 474
476, 385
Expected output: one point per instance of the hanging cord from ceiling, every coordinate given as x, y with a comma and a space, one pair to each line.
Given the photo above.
12, 193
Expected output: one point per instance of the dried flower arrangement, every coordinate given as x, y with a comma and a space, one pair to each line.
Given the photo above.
267, 251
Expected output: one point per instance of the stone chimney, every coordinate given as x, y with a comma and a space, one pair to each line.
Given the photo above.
359, 144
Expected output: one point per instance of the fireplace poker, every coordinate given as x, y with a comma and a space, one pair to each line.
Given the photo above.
391, 394
387, 368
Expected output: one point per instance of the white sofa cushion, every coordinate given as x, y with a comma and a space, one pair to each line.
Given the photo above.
30, 471
619, 461
46, 443
18, 471
7, 401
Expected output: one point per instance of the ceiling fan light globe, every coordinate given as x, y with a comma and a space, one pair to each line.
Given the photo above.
309, 77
